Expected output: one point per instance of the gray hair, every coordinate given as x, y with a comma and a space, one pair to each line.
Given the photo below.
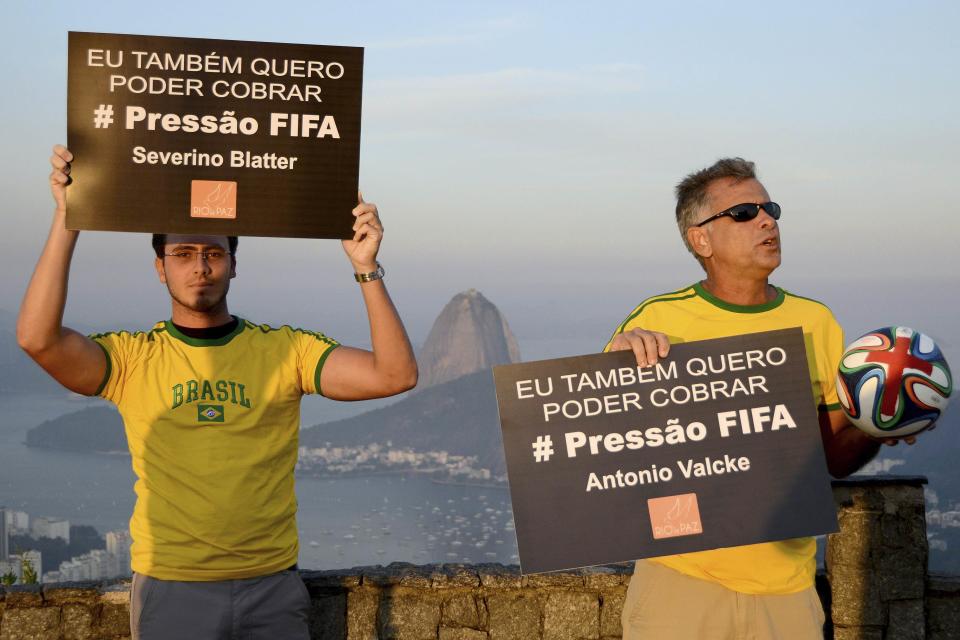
692, 190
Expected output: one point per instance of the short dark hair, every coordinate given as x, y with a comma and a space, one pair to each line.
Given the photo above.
159, 240
692, 190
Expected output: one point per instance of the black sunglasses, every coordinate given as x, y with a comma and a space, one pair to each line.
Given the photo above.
745, 211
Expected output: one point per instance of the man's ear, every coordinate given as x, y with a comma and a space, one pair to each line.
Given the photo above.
699, 239
161, 272
233, 267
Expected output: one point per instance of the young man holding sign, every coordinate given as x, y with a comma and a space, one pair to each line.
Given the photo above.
211, 408
764, 590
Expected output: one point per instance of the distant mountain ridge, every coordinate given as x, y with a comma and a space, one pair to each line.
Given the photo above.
459, 417
89, 430
469, 335
18, 373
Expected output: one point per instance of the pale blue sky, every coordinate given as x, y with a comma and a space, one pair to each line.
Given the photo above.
530, 151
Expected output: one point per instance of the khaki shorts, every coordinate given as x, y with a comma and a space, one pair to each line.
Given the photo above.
665, 604
266, 608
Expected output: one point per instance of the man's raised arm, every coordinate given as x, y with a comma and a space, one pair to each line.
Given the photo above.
74, 360
390, 368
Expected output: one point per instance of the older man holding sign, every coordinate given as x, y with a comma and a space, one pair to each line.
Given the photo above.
729, 223
709, 459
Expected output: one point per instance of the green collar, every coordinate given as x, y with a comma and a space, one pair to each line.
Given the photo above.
200, 342
739, 308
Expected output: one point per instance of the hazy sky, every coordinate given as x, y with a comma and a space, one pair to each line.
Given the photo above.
530, 151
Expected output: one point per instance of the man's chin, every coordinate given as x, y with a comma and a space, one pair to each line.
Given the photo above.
202, 303
203, 306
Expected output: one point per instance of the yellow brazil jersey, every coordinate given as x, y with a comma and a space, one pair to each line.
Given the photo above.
213, 428
694, 314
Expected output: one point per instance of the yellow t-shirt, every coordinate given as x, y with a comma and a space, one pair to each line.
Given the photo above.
213, 429
694, 314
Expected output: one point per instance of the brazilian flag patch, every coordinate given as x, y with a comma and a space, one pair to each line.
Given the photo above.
210, 413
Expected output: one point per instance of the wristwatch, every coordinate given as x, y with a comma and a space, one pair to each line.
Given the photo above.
369, 277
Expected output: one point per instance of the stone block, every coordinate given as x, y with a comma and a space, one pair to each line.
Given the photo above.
24, 596
484, 614
328, 615
461, 611
858, 498
408, 616
499, 577
943, 608
381, 577
447, 633
855, 597
62, 595
117, 596
113, 621
943, 620
77, 622
902, 575
454, 575
416, 577
611, 610
859, 535
897, 496
571, 615
513, 617
30, 623
602, 578
906, 620
399, 573
560, 579
362, 614
906, 529
857, 633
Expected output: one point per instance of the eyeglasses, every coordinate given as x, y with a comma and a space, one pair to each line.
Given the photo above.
745, 211
188, 256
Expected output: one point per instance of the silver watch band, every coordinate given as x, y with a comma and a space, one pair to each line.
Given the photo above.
369, 277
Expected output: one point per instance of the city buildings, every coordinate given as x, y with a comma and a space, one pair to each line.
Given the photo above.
44, 527
99, 564
4, 537
18, 522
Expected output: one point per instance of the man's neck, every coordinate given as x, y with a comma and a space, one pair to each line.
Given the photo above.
740, 292
185, 317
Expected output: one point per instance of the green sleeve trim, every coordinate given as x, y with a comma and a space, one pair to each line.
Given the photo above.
643, 305
320, 362
833, 406
106, 374
739, 308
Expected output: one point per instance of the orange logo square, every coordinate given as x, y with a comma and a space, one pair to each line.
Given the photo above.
672, 516
213, 199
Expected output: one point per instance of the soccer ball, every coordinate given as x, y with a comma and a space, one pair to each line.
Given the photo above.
893, 382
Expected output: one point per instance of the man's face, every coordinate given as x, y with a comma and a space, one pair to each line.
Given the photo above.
197, 283
747, 249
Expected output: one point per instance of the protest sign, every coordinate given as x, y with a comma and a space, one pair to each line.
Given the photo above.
716, 445
186, 135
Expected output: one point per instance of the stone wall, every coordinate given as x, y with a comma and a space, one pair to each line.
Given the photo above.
875, 587
877, 563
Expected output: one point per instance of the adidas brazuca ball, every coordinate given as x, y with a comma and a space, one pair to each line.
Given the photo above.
893, 382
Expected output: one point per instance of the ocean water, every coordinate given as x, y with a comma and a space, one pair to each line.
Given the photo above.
342, 522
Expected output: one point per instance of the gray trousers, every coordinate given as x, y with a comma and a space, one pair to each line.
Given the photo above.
267, 607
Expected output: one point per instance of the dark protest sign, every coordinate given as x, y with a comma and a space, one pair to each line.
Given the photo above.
716, 446
183, 135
